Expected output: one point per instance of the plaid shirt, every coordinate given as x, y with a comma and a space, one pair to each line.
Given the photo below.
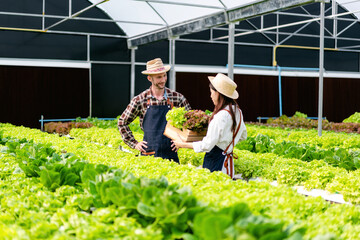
138, 107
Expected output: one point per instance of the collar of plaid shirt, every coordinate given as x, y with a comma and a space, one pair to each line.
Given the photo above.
150, 95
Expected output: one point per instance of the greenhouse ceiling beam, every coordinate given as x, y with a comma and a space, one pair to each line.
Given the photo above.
87, 33
286, 34
221, 2
316, 16
179, 3
285, 25
318, 22
76, 14
302, 27
349, 47
262, 25
222, 18
293, 34
341, 49
78, 18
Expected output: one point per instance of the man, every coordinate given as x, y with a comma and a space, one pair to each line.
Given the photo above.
151, 107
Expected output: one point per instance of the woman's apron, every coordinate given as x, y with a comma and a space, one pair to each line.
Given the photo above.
219, 160
154, 125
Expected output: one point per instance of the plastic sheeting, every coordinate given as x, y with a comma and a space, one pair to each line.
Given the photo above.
351, 6
136, 17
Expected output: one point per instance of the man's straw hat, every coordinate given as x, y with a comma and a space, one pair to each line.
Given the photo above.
155, 66
224, 85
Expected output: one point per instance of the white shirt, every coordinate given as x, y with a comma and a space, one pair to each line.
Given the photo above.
219, 132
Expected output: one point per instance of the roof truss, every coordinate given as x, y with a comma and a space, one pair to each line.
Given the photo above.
221, 18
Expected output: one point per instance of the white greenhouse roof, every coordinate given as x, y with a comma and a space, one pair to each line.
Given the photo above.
136, 17
351, 6
144, 21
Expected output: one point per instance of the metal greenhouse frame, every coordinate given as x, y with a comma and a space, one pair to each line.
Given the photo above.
214, 15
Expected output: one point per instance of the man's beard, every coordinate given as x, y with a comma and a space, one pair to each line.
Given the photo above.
159, 86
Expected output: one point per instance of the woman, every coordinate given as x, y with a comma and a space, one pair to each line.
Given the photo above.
226, 127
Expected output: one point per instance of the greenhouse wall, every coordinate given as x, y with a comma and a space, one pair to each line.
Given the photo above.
29, 92
258, 95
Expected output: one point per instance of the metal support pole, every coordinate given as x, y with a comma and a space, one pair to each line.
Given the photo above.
88, 48
335, 22
172, 82
90, 76
42, 123
280, 92
277, 29
90, 91
70, 8
132, 76
43, 15
231, 50
321, 68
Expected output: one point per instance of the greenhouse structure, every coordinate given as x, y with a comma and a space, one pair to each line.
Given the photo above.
69, 69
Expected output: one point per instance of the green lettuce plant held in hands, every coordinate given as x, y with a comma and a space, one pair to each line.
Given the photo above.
194, 120
176, 117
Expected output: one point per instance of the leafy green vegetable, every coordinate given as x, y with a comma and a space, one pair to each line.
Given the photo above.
355, 118
300, 115
176, 117
196, 120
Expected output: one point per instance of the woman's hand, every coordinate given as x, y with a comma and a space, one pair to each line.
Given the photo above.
180, 144
174, 147
176, 144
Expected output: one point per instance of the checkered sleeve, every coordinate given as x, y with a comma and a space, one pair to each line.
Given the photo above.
179, 100
128, 116
184, 103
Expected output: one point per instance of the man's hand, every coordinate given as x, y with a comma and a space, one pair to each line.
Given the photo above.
141, 146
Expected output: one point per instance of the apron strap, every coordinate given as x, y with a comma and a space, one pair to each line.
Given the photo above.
170, 103
229, 163
167, 100
235, 133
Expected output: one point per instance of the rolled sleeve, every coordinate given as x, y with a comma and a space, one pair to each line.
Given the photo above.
128, 116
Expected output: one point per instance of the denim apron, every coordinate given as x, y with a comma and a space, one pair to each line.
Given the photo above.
154, 125
219, 160
214, 160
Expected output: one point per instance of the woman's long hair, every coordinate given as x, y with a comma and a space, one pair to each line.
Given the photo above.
224, 101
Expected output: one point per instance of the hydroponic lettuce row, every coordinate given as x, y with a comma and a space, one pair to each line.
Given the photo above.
194, 120
300, 120
277, 167
216, 189
170, 211
338, 157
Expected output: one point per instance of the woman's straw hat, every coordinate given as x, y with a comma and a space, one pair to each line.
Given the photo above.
155, 66
224, 85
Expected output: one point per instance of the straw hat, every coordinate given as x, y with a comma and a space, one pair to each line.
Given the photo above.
155, 66
224, 85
